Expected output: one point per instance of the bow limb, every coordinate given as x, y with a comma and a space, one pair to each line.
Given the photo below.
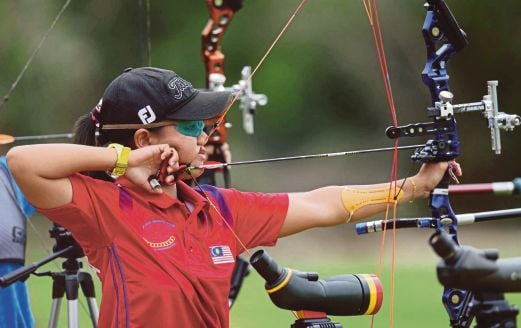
221, 15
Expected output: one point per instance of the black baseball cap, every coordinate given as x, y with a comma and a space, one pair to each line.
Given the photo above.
148, 95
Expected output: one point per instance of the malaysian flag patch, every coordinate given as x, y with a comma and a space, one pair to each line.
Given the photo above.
221, 254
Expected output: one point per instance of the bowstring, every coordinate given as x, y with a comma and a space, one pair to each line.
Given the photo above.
220, 120
146, 40
371, 9
5, 99
15, 84
36, 50
205, 195
266, 54
236, 96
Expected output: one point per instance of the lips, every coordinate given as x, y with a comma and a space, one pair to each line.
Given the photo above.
202, 154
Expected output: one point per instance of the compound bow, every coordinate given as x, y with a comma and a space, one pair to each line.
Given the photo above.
443, 39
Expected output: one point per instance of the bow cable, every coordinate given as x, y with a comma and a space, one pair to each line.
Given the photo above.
236, 96
222, 117
29, 61
6, 139
371, 10
247, 81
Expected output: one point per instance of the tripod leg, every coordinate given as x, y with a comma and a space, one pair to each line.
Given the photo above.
58, 290
71, 289
72, 307
87, 286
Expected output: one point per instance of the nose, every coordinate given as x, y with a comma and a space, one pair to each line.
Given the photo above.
202, 139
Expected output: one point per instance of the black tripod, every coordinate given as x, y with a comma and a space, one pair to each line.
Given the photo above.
492, 310
65, 283
482, 273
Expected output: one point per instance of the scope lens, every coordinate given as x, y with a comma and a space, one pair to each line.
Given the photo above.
373, 285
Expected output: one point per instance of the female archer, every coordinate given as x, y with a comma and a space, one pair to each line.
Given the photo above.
165, 255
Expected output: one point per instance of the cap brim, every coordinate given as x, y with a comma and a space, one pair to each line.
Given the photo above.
204, 105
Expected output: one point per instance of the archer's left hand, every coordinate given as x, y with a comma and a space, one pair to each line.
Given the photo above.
430, 175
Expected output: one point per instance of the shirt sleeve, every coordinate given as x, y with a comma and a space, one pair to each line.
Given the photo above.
90, 214
258, 217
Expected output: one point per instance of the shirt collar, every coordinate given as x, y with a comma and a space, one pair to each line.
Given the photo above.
184, 192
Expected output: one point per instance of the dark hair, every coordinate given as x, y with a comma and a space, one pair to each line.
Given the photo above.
85, 134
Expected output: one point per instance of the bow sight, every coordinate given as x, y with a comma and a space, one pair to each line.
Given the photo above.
443, 112
443, 38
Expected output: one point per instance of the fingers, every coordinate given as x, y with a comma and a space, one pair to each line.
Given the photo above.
168, 167
456, 168
153, 186
431, 174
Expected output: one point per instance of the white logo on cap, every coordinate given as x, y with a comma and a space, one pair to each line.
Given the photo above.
146, 115
179, 86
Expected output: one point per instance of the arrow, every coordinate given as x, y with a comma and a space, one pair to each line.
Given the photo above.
210, 165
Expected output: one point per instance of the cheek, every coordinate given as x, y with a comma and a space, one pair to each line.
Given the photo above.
185, 146
187, 149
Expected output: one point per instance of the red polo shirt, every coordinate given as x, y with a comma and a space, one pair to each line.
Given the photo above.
163, 261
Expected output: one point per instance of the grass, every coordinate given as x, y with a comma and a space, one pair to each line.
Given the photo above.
416, 302
417, 294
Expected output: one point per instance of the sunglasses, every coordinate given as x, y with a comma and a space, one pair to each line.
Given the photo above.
190, 128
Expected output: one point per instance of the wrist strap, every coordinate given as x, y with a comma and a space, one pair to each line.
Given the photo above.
122, 161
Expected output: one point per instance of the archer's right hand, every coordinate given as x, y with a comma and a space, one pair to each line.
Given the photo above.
146, 162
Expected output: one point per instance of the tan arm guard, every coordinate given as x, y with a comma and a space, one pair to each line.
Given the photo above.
354, 199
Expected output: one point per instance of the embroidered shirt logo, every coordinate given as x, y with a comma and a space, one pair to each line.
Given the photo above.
221, 254
179, 86
146, 115
159, 234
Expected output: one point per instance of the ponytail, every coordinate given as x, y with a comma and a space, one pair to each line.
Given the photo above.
85, 131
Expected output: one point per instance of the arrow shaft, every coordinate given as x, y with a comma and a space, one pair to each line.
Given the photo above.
45, 136
290, 158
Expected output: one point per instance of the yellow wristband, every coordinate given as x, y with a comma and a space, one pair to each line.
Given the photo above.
122, 161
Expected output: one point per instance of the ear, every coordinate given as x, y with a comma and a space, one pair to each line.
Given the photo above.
142, 138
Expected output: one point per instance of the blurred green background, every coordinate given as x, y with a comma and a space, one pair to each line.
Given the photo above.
325, 95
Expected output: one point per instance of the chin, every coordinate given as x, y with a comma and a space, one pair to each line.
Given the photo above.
193, 174
197, 173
